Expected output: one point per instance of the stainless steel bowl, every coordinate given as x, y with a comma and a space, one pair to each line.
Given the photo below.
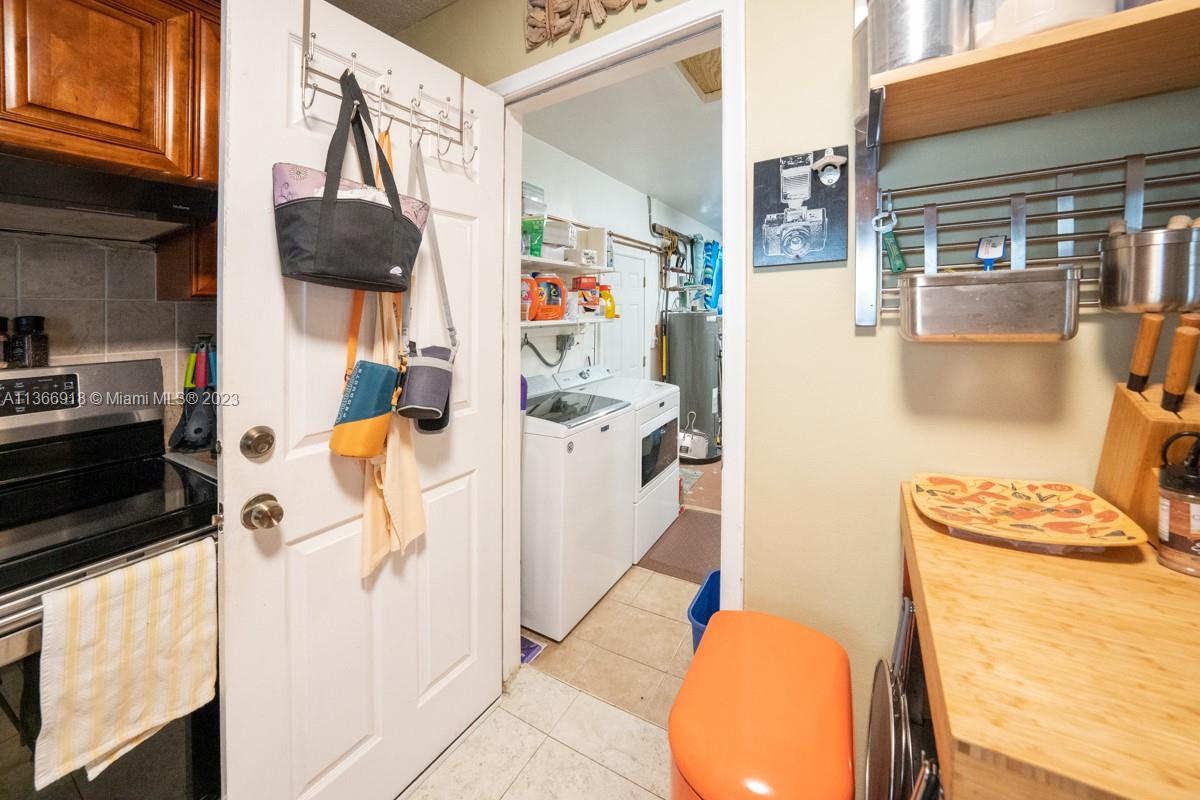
1156, 270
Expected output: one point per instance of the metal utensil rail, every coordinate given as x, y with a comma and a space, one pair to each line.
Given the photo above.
21, 609
1176, 188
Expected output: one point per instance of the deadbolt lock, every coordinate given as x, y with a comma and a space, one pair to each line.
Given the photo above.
262, 512
258, 442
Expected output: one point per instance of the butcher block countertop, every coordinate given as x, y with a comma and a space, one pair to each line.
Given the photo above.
1056, 676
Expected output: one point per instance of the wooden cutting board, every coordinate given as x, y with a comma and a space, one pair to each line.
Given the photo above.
1021, 511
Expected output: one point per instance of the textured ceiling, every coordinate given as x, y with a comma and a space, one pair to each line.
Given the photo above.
391, 16
652, 133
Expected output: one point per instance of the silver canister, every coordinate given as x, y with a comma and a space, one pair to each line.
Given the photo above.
1151, 271
1009, 305
906, 31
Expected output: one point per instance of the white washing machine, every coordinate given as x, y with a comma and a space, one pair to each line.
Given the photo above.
654, 457
576, 520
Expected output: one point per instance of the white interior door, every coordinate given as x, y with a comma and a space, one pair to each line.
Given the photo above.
624, 345
334, 687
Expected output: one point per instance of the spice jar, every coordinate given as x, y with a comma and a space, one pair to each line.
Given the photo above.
1179, 508
29, 346
3, 342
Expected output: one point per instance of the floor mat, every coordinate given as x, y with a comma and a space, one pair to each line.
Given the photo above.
690, 549
529, 650
705, 491
689, 477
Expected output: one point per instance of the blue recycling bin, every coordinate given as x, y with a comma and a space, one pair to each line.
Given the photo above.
706, 603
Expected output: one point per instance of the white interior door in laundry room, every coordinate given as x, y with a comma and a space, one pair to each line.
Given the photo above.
333, 686
625, 342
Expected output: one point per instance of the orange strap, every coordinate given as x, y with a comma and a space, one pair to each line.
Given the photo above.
356, 309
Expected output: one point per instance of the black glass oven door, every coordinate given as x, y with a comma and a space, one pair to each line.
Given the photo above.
660, 448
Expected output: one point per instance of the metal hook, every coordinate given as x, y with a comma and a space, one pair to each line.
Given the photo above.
442, 117
385, 88
466, 126
413, 123
308, 88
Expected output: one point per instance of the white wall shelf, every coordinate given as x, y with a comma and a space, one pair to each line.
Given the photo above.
538, 264
561, 323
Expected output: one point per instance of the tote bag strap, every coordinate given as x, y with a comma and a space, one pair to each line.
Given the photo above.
354, 115
417, 165
356, 312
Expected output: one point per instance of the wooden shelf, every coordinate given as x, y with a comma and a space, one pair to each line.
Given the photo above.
561, 323
1142, 51
538, 264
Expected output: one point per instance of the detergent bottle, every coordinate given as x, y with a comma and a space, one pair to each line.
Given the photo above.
530, 298
610, 302
553, 296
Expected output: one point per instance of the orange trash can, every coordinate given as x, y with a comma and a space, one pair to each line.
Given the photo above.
764, 711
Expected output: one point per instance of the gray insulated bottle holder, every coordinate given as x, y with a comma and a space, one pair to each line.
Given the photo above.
426, 389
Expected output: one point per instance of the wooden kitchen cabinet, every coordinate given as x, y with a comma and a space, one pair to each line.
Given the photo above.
128, 86
187, 264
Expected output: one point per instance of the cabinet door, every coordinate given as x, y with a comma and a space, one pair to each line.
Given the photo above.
99, 82
208, 97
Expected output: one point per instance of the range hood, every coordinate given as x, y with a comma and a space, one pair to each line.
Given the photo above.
51, 198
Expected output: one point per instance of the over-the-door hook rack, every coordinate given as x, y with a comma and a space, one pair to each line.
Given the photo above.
418, 120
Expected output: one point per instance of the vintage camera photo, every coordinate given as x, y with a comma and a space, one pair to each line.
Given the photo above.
801, 207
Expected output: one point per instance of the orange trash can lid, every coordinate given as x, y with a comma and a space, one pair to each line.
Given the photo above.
765, 711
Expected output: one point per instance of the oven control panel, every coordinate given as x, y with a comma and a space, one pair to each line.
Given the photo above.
38, 394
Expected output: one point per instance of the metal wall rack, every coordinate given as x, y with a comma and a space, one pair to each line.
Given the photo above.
437, 124
1052, 216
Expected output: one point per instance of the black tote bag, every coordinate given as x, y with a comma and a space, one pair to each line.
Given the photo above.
338, 232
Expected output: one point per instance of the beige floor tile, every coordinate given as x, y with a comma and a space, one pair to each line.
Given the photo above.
536, 698
658, 707
644, 636
563, 661
667, 596
631, 747
486, 764
630, 584
557, 772
605, 616
682, 659
619, 680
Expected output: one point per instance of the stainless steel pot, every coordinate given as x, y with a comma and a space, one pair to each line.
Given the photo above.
1151, 271
906, 31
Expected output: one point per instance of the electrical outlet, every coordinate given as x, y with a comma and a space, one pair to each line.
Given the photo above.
562, 342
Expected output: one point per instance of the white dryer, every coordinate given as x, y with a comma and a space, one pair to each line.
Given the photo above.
576, 520
654, 451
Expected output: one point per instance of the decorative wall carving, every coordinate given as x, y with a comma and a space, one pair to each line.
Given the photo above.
551, 19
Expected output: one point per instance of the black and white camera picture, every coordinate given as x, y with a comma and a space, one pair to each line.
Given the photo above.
801, 208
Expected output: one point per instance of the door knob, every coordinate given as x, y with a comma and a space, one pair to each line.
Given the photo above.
262, 512
257, 442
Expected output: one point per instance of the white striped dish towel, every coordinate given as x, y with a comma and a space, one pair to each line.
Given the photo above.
123, 654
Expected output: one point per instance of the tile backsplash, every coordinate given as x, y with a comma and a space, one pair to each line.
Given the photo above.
99, 303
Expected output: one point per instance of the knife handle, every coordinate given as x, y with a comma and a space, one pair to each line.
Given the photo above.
1189, 320
1144, 348
1179, 368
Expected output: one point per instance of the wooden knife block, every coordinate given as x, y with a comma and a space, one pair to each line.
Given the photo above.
1137, 427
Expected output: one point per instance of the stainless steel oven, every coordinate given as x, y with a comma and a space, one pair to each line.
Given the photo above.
85, 490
